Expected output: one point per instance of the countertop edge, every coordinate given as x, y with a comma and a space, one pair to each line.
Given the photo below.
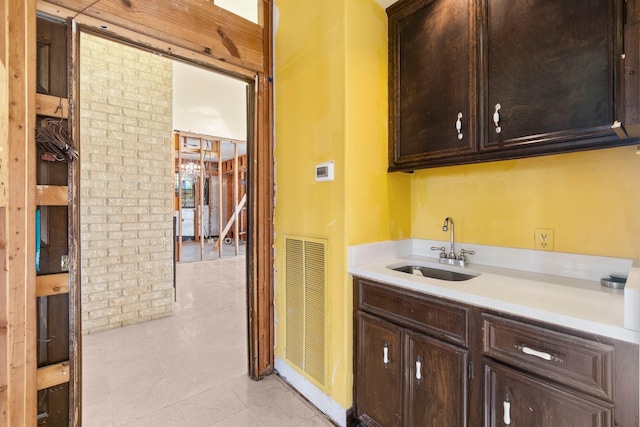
451, 291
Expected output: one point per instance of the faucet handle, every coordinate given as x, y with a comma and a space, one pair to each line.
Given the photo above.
464, 252
442, 249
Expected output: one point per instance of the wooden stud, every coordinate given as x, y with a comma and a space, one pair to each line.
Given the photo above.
177, 144
19, 286
52, 195
52, 284
52, 106
53, 375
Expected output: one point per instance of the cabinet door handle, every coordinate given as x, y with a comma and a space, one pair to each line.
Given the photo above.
506, 405
496, 118
541, 354
459, 125
385, 353
419, 368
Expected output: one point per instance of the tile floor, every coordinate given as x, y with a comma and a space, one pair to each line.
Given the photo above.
191, 251
188, 370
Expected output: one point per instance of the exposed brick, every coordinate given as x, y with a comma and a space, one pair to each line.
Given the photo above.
127, 185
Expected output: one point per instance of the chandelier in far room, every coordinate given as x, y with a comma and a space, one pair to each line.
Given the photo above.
190, 171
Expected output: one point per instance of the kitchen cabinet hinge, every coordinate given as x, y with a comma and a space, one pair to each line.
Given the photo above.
470, 371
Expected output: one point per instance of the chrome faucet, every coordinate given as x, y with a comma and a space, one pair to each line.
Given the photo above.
451, 258
452, 251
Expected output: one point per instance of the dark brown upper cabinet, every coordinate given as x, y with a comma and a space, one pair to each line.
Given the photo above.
483, 80
433, 83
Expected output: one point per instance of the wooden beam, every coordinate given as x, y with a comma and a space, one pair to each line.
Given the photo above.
4, 113
191, 24
52, 106
52, 284
19, 392
53, 375
230, 223
52, 195
5, 345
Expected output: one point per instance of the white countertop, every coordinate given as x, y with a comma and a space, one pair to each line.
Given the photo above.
574, 302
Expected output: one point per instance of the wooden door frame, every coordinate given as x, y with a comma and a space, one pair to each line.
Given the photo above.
105, 18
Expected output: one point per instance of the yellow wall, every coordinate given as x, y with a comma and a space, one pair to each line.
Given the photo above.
591, 199
377, 202
331, 104
310, 129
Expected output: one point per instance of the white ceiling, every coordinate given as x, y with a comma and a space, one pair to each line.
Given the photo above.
385, 3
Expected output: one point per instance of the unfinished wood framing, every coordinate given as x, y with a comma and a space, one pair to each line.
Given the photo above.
52, 195
233, 46
204, 151
53, 375
52, 106
178, 23
18, 390
52, 284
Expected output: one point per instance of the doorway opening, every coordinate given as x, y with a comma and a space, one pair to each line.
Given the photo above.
136, 112
209, 137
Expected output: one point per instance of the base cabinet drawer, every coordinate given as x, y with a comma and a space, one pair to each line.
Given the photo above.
573, 361
513, 398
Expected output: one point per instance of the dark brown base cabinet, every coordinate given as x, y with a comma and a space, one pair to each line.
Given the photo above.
514, 398
422, 360
399, 367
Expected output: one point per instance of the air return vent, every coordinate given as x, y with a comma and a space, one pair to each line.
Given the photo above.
305, 277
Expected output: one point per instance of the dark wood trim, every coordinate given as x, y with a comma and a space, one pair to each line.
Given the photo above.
75, 311
261, 175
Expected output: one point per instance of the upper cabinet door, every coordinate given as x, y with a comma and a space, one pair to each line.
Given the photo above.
432, 81
551, 72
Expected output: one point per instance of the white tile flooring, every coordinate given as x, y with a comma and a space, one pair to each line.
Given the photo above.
189, 370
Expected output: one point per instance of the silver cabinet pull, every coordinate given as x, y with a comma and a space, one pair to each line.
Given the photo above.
496, 118
541, 354
385, 353
459, 125
506, 406
419, 368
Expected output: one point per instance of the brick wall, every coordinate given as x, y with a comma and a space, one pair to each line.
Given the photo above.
126, 185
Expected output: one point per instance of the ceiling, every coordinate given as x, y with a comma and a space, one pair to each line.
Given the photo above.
385, 3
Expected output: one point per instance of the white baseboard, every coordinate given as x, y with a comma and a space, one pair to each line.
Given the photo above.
317, 397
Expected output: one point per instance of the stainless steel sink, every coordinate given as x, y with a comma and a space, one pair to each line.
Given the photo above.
434, 273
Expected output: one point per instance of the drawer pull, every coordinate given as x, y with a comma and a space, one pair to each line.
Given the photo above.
540, 354
506, 404
459, 126
385, 353
419, 368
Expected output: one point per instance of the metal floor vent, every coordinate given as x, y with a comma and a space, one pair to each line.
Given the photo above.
305, 285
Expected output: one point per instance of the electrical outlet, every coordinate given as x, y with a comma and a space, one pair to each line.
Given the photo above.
543, 239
